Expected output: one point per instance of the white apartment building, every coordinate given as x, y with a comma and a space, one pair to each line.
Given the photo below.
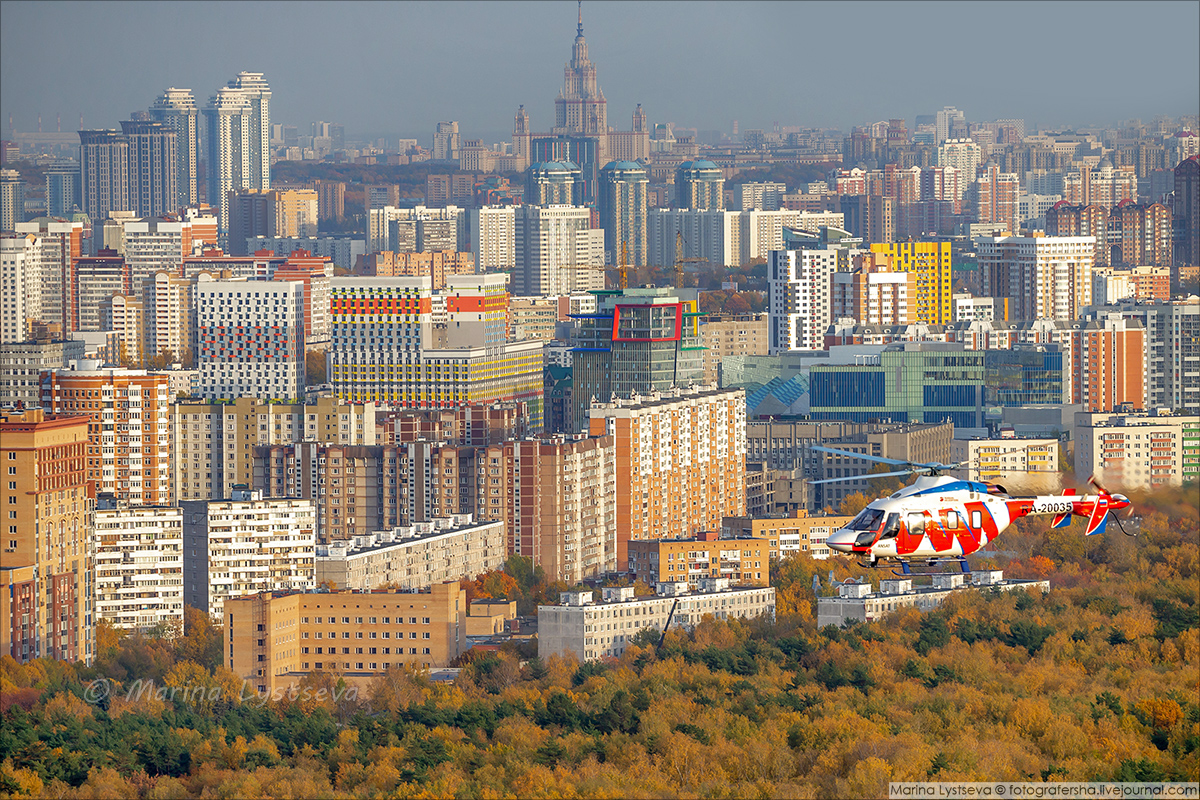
492, 237
139, 565
799, 301
856, 602
1024, 466
965, 156
556, 251
153, 245
416, 556
59, 243
969, 309
1043, 277
20, 290
727, 238
246, 545
601, 629
250, 338
1138, 451
759, 196
1032, 208
383, 232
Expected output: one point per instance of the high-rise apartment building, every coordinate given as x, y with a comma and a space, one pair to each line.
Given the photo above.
139, 565
153, 167
60, 244
552, 183
437, 265
680, 461
419, 229
123, 315
97, 278
62, 189
699, 186
870, 217
1108, 360
622, 205
874, 294
945, 121
387, 348
313, 274
799, 298
277, 212
636, 342
1186, 212
1137, 451
215, 442
129, 433
1042, 277
104, 173
446, 142
331, 200
931, 263
1140, 235
1064, 219
1105, 186
244, 545
995, 195
381, 195
1172, 350
962, 154
556, 251
12, 199
759, 196
943, 183
20, 289
48, 570
492, 235
177, 108
250, 338
238, 141
22, 365
156, 245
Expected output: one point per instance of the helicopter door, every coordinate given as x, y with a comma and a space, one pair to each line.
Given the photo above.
940, 535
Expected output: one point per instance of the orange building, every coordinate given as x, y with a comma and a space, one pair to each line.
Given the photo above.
744, 560
48, 569
680, 463
1109, 364
276, 639
437, 264
129, 427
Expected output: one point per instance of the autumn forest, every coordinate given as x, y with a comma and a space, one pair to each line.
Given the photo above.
1096, 680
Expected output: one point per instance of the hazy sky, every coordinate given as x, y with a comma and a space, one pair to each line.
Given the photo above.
399, 67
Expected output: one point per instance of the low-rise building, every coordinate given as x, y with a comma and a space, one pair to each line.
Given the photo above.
857, 603
139, 565
745, 560
278, 638
413, 557
246, 545
799, 533
593, 630
1138, 451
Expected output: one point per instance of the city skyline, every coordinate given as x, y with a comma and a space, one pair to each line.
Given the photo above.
637, 59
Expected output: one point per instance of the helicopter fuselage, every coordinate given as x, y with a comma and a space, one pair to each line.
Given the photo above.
944, 517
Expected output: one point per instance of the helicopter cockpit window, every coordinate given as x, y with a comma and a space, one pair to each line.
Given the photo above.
867, 520
891, 527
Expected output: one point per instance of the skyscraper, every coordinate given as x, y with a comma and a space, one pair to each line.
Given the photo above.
239, 140
1187, 212
1043, 277
62, 189
552, 183
153, 167
931, 263
963, 155
177, 107
945, 121
699, 186
446, 141
12, 199
104, 171
555, 250
580, 106
622, 202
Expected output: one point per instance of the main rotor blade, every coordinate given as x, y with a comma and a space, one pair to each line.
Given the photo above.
868, 475
866, 457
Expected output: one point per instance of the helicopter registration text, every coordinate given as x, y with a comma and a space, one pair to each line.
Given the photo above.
1052, 505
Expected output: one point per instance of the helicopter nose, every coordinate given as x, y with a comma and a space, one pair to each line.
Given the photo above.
841, 540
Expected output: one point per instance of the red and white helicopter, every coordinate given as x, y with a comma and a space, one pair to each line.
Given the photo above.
940, 518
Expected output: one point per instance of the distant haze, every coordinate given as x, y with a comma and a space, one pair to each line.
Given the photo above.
398, 68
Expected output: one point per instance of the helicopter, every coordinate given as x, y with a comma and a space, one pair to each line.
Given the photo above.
942, 519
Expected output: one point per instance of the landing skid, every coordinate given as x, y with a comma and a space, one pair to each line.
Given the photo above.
906, 569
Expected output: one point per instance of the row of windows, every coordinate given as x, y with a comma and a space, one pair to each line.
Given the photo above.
359, 635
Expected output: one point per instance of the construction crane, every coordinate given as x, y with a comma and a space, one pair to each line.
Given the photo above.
680, 260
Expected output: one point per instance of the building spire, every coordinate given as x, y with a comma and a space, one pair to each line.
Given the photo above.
580, 18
